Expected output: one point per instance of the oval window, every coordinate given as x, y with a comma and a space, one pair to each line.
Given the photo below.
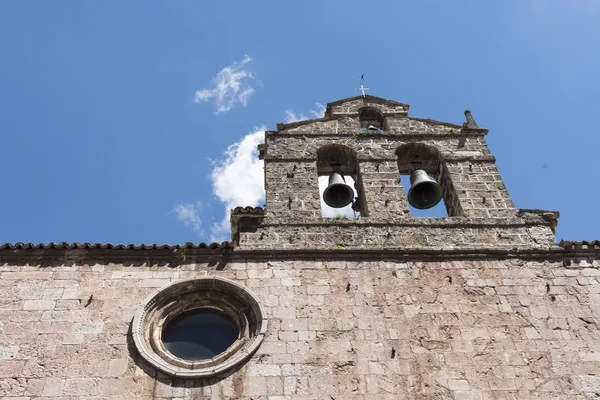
199, 334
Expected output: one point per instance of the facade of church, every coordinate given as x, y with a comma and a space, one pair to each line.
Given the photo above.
482, 304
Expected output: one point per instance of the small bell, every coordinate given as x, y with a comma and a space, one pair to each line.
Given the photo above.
337, 194
424, 191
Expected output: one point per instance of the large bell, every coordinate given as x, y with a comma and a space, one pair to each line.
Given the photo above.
424, 192
337, 194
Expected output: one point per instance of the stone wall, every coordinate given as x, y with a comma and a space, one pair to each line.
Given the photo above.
428, 233
512, 328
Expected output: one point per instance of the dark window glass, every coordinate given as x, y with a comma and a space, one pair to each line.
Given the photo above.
199, 334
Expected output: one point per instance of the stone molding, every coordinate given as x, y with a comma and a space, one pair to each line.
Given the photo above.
218, 259
217, 293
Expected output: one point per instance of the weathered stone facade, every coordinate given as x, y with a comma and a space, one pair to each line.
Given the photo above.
480, 305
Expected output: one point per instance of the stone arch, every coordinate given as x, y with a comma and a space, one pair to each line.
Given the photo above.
343, 160
411, 156
336, 154
371, 116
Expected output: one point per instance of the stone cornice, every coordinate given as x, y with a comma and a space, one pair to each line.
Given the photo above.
219, 257
480, 158
407, 222
362, 135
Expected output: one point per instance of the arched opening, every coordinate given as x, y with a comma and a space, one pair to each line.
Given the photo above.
371, 119
339, 183
416, 156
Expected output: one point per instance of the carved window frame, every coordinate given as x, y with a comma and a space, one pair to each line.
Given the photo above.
223, 295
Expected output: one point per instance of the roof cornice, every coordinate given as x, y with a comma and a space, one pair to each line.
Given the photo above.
220, 253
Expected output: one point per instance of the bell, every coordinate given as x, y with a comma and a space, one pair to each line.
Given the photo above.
372, 128
337, 194
424, 191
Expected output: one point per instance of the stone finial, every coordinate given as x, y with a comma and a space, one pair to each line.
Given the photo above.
470, 121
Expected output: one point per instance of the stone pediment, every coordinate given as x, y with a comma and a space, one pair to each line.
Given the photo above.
349, 108
352, 105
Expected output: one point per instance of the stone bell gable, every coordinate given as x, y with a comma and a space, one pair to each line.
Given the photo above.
375, 141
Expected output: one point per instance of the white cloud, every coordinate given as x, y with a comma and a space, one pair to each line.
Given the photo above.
319, 112
231, 87
238, 180
188, 214
290, 116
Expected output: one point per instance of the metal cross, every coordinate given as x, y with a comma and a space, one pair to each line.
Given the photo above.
362, 88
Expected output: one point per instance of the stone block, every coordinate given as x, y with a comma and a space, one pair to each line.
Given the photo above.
88, 327
255, 386
53, 387
590, 356
39, 305
8, 352
27, 275
459, 385
588, 383
264, 370
532, 333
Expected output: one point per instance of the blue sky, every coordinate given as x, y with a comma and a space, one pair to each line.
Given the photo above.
114, 127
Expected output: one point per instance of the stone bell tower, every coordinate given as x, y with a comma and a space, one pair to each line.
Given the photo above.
481, 213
